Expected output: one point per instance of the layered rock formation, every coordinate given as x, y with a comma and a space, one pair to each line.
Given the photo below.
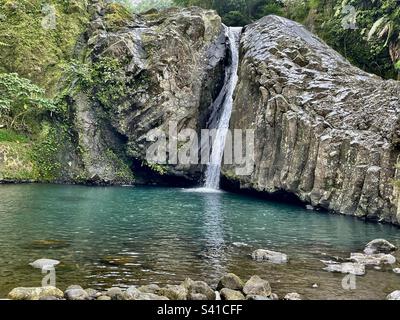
326, 131
150, 70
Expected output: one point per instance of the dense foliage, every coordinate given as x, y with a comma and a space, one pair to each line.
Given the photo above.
373, 45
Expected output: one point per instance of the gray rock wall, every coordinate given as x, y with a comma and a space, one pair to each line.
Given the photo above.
326, 131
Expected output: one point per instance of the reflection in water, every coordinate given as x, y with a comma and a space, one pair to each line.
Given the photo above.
133, 236
214, 231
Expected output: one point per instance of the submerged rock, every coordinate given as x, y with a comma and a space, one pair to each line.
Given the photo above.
379, 246
231, 295
357, 269
270, 256
230, 281
257, 287
49, 244
317, 133
35, 293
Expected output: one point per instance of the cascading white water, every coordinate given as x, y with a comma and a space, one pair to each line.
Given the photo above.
222, 111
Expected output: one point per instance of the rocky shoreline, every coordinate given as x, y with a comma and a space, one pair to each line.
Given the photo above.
377, 254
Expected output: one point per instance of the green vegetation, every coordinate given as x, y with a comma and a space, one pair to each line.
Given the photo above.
20, 100
12, 136
373, 46
37, 38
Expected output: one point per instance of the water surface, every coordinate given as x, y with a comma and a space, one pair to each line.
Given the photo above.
139, 235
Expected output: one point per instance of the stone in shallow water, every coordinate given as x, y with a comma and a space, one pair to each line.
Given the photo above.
396, 270
347, 267
231, 295
292, 296
199, 287
379, 246
76, 294
372, 259
151, 288
49, 244
35, 293
230, 281
174, 292
394, 295
116, 294
257, 287
270, 256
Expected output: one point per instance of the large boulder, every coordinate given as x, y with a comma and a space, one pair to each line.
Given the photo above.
35, 293
167, 67
326, 132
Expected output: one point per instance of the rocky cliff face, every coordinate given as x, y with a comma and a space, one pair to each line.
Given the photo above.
326, 131
149, 71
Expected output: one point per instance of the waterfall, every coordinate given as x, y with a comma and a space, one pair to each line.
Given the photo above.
222, 111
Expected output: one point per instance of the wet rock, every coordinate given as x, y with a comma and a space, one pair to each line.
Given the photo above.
105, 298
292, 296
372, 259
231, 295
133, 293
257, 287
93, 293
394, 295
174, 292
151, 288
270, 256
199, 287
230, 281
317, 135
116, 294
35, 293
76, 294
74, 286
274, 296
396, 270
379, 246
347, 267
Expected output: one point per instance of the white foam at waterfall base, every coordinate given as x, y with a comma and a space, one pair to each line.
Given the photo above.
220, 120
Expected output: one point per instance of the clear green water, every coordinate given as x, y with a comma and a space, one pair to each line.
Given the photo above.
128, 236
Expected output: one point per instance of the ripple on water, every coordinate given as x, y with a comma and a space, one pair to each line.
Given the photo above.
134, 236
